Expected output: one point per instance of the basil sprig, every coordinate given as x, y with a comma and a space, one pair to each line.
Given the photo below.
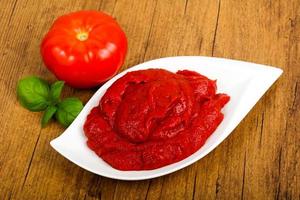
67, 111
48, 114
35, 94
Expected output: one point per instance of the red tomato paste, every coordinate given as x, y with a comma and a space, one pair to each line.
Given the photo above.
151, 118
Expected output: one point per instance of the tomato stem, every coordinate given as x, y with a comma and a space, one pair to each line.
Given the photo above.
82, 36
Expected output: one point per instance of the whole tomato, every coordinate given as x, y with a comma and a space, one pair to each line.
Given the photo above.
84, 48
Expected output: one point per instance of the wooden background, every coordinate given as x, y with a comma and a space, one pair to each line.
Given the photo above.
260, 160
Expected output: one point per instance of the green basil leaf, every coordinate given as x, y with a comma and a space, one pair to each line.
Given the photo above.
48, 114
33, 93
55, 91
67, 111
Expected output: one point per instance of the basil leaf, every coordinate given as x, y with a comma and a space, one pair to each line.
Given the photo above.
55, 91
67, 111
33, 93
48, 114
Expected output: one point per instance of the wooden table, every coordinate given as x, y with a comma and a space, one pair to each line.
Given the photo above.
260, 159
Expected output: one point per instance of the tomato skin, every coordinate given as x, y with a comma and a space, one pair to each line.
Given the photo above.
84, 48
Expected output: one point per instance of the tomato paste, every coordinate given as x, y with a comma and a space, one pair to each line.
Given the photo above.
151, 118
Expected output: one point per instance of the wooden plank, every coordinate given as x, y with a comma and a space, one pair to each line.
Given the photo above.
42, 158
258, 161
7, 11
21, 129
259, 31
18, 141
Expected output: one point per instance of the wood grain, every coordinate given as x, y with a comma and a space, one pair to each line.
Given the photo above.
260, 159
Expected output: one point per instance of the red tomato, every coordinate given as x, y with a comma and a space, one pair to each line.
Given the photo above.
84, 48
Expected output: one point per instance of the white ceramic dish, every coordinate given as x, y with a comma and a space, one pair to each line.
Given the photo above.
244, 82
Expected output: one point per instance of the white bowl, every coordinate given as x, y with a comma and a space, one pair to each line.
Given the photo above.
244, 82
